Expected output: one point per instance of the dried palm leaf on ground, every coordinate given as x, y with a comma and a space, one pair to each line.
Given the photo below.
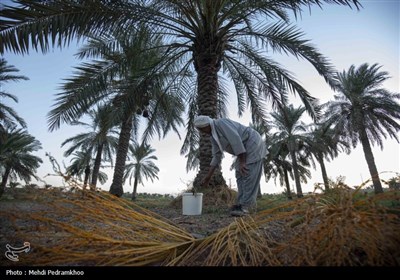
341, 227
241, 243
344, 228
98, 229
338, 228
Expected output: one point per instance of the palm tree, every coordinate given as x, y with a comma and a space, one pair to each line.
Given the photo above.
141, 167
365, 112
207, 35
16, 157
277, 162
323, 143
276, 166
290, 135
8, 116
82, 164
126, 78
99, 142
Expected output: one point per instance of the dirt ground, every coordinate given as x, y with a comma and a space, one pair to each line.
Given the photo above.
209, 222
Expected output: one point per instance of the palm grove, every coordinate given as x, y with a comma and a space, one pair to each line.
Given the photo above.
160, 63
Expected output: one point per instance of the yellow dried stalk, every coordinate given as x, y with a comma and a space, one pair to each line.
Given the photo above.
247, 241
339, 229
323, 229
95, 228
100, 229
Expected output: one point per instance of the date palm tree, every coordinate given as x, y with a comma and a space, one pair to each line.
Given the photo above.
324, 143
83, 164
278, 163
129, 78
363, 111
276, 166
16, 158
205, 35
290, 135
142, 166
8, 116
99, 142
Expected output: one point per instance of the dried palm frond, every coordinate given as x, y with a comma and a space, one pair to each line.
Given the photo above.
99, 229
341, 227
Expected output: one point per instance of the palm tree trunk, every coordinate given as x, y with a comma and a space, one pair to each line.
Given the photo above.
323, 170
96, 167
4, 180
122, 151
135, 183
296, 173
369, 157
289, 193
207, 67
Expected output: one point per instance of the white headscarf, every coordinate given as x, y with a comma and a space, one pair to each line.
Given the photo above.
203, 121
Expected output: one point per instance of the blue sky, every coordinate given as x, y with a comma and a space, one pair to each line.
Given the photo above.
346, 36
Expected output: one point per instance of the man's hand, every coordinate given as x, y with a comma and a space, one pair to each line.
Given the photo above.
205, 181
243, 168
242, 164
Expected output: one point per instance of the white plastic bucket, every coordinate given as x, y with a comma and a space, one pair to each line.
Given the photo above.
192, 203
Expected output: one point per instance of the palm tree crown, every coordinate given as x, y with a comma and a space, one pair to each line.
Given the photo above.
16, 159
8, 116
